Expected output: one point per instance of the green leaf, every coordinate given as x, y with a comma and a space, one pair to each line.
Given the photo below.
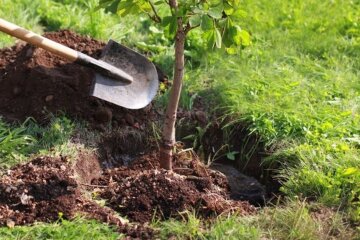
233, 3
218, 38
210, 37
231, 50
245, 38
238, 14
230, 36
231, 155
206, 23
229, 10
171, 30
108, 5
217, 11
195, 20
166, 21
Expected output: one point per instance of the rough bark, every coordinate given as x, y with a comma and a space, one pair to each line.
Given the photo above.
168, 136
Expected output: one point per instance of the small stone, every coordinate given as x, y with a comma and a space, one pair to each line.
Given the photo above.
25, 199
130, 119
62, 167
10, 223
49, 98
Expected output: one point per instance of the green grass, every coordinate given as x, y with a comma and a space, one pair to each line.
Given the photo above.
78, 229
292, 220
18, 143
20, 12
297, 87
80, 16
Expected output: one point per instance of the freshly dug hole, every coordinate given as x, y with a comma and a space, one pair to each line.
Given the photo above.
251, 179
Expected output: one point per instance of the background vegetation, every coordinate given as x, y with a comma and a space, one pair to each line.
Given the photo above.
296, 86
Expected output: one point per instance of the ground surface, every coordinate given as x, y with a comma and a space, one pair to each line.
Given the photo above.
48, 188
36, 83
126, 175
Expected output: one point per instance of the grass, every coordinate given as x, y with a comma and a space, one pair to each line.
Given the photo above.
23, 13
18, 143
297, 88
293, 220
78, 229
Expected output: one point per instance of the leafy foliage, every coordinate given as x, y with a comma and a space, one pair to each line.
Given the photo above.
217, 19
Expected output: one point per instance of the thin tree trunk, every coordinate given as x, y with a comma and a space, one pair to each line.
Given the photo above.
168, 136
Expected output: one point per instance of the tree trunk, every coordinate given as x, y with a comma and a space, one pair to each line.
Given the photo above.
168, 136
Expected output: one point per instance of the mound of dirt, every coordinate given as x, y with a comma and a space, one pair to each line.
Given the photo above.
35, 83
44, 189
142, 194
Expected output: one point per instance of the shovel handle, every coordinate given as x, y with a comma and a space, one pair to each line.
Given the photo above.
63, 51
37, 40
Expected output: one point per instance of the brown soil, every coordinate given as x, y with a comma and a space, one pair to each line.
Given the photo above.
44, 188
35, 83
142, 191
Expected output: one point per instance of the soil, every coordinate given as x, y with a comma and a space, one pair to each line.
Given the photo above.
249, 160
142, 191
35, 83
46, 189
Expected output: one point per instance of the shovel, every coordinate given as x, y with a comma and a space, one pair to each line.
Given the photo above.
124, 77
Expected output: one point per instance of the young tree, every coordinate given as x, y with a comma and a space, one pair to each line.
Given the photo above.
217, 20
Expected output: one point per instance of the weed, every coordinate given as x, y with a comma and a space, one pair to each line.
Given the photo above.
232, 228
14, 142
187, 228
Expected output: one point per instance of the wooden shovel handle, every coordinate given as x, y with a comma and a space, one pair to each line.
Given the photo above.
37, 40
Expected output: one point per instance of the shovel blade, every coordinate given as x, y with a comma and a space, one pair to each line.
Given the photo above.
135, 95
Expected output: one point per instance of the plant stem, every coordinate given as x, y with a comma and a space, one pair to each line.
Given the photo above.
168, 138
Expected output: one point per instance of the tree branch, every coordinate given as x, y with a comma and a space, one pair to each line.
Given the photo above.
156, 16
188, 28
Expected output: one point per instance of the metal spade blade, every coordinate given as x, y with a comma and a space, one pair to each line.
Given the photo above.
134, 95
